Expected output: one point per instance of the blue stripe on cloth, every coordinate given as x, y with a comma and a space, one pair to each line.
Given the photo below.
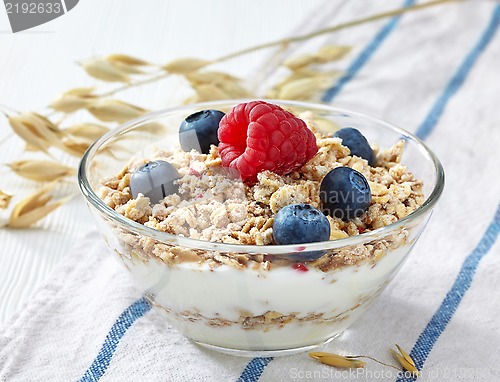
364, 56
254, 369
459, 77
119, 328
448, 307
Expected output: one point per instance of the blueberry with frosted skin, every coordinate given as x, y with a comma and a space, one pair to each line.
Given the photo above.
199, 130
155, 180
345, 193
357, 144
298, 224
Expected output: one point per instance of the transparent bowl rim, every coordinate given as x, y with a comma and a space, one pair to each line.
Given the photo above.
363, 238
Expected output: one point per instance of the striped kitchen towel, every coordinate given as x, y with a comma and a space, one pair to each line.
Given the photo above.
433, 72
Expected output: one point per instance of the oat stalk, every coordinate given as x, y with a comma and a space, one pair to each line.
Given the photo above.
333, 29
405, 360
373, 359
287, 41
135, 84
353, 361
4, 199
337, 360
35, 207
41, 170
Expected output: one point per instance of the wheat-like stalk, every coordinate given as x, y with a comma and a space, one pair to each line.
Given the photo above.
4, 199
306, 77
354, 361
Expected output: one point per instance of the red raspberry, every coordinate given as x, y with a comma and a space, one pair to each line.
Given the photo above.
258, 136
301, 267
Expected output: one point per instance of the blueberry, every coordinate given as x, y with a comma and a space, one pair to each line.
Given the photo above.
357, 144
298, 224
345, 193
199, 130
154, 180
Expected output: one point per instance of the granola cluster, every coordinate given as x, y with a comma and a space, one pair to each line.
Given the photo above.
214, 205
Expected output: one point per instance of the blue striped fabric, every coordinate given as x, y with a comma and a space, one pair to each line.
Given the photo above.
448, 307
364, 56
459, 77
254, 369
118, 330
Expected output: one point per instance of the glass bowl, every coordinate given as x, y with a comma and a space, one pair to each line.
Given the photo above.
243, 310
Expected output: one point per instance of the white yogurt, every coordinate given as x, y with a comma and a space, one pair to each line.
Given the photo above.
224, 292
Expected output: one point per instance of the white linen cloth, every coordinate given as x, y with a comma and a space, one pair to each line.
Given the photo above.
434, 72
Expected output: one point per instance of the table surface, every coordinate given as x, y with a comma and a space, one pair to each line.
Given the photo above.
39, 64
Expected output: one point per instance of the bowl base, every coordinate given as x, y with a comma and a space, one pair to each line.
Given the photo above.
264, 353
